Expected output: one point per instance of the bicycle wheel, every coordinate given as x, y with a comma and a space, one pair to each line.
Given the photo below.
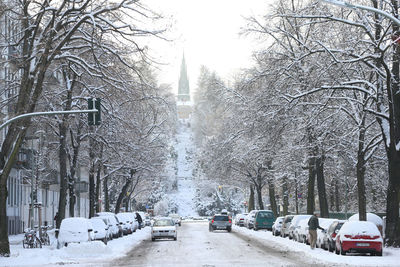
46, 239
37, 243
25, 243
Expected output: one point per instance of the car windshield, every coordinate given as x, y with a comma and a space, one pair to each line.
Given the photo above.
164, 223
265, 215
221, 218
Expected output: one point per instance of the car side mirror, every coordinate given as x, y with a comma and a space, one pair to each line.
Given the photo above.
90, 230
95, 232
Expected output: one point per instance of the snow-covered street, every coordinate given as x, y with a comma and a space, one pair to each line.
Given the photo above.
196, 246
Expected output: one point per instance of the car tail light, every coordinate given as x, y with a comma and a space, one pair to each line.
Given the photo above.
256, 223
333, 235
212, 221
230, 221
348, 236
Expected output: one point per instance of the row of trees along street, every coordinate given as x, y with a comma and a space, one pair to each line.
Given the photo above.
64, 52
320, 109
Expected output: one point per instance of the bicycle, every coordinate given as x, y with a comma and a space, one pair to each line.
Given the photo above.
45, 239
30, 239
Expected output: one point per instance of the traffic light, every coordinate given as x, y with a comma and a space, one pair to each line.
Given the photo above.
94, 118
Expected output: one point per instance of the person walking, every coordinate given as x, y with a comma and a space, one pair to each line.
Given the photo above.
139, 220
313, 224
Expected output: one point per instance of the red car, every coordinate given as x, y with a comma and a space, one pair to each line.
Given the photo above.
359, 236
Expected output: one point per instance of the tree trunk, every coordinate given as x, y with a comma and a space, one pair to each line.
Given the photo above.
4, 243
272, 200
259, 187
296, 193
323, 201
63, 157
360, 170
122, 194
105, 190
98, 183
251, 199
311, 185
337, 196
73, 166
285, 195
92, 192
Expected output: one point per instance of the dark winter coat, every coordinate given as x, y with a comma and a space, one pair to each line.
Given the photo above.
139, 218
313, 223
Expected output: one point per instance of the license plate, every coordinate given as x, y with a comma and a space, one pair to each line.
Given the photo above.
362, 244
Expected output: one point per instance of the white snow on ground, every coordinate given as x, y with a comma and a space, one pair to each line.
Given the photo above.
186, 186
391, 256
76, 254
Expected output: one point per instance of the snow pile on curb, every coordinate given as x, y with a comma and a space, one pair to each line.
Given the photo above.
391, 256
94, 251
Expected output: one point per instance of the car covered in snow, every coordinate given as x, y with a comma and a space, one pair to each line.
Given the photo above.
75, 230
177, 219
276, 227
249, 220
371, 217
301, 232
163, 227
100, 229
114, 223
285, 225
239, 219
329, 239
127, 220
295, 224
324, 223
359, 237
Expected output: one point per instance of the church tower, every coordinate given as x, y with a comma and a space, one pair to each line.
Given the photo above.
183, 89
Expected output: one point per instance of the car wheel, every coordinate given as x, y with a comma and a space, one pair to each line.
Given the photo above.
342, 252
336, 250
330, 249
255, 229
379, 253
175, 238
105, 240
229, 229
153, 239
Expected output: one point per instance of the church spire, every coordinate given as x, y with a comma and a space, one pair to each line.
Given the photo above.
183, 89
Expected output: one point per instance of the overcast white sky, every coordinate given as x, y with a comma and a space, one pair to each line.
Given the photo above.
207, 31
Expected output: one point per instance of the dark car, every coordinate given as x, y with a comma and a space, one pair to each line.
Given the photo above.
330, 236
220, 222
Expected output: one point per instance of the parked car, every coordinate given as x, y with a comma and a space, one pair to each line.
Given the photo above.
301, 232
75, 230
263, 219
249, 221
285, 225
163, 227
371, 217
359, 236
115, 224
294, 223
126, 219
239, 219
176, 218
147, 220
276, 227
220, 222
100, 229
323, 223
329, 239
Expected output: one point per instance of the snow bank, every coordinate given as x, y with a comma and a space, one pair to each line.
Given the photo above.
322, 257
87, 252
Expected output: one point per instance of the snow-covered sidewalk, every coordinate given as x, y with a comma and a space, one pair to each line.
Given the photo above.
77, 254
391, 256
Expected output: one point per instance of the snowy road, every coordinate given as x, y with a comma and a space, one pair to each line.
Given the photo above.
196, 246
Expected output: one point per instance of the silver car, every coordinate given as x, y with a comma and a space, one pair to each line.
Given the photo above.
163, 227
